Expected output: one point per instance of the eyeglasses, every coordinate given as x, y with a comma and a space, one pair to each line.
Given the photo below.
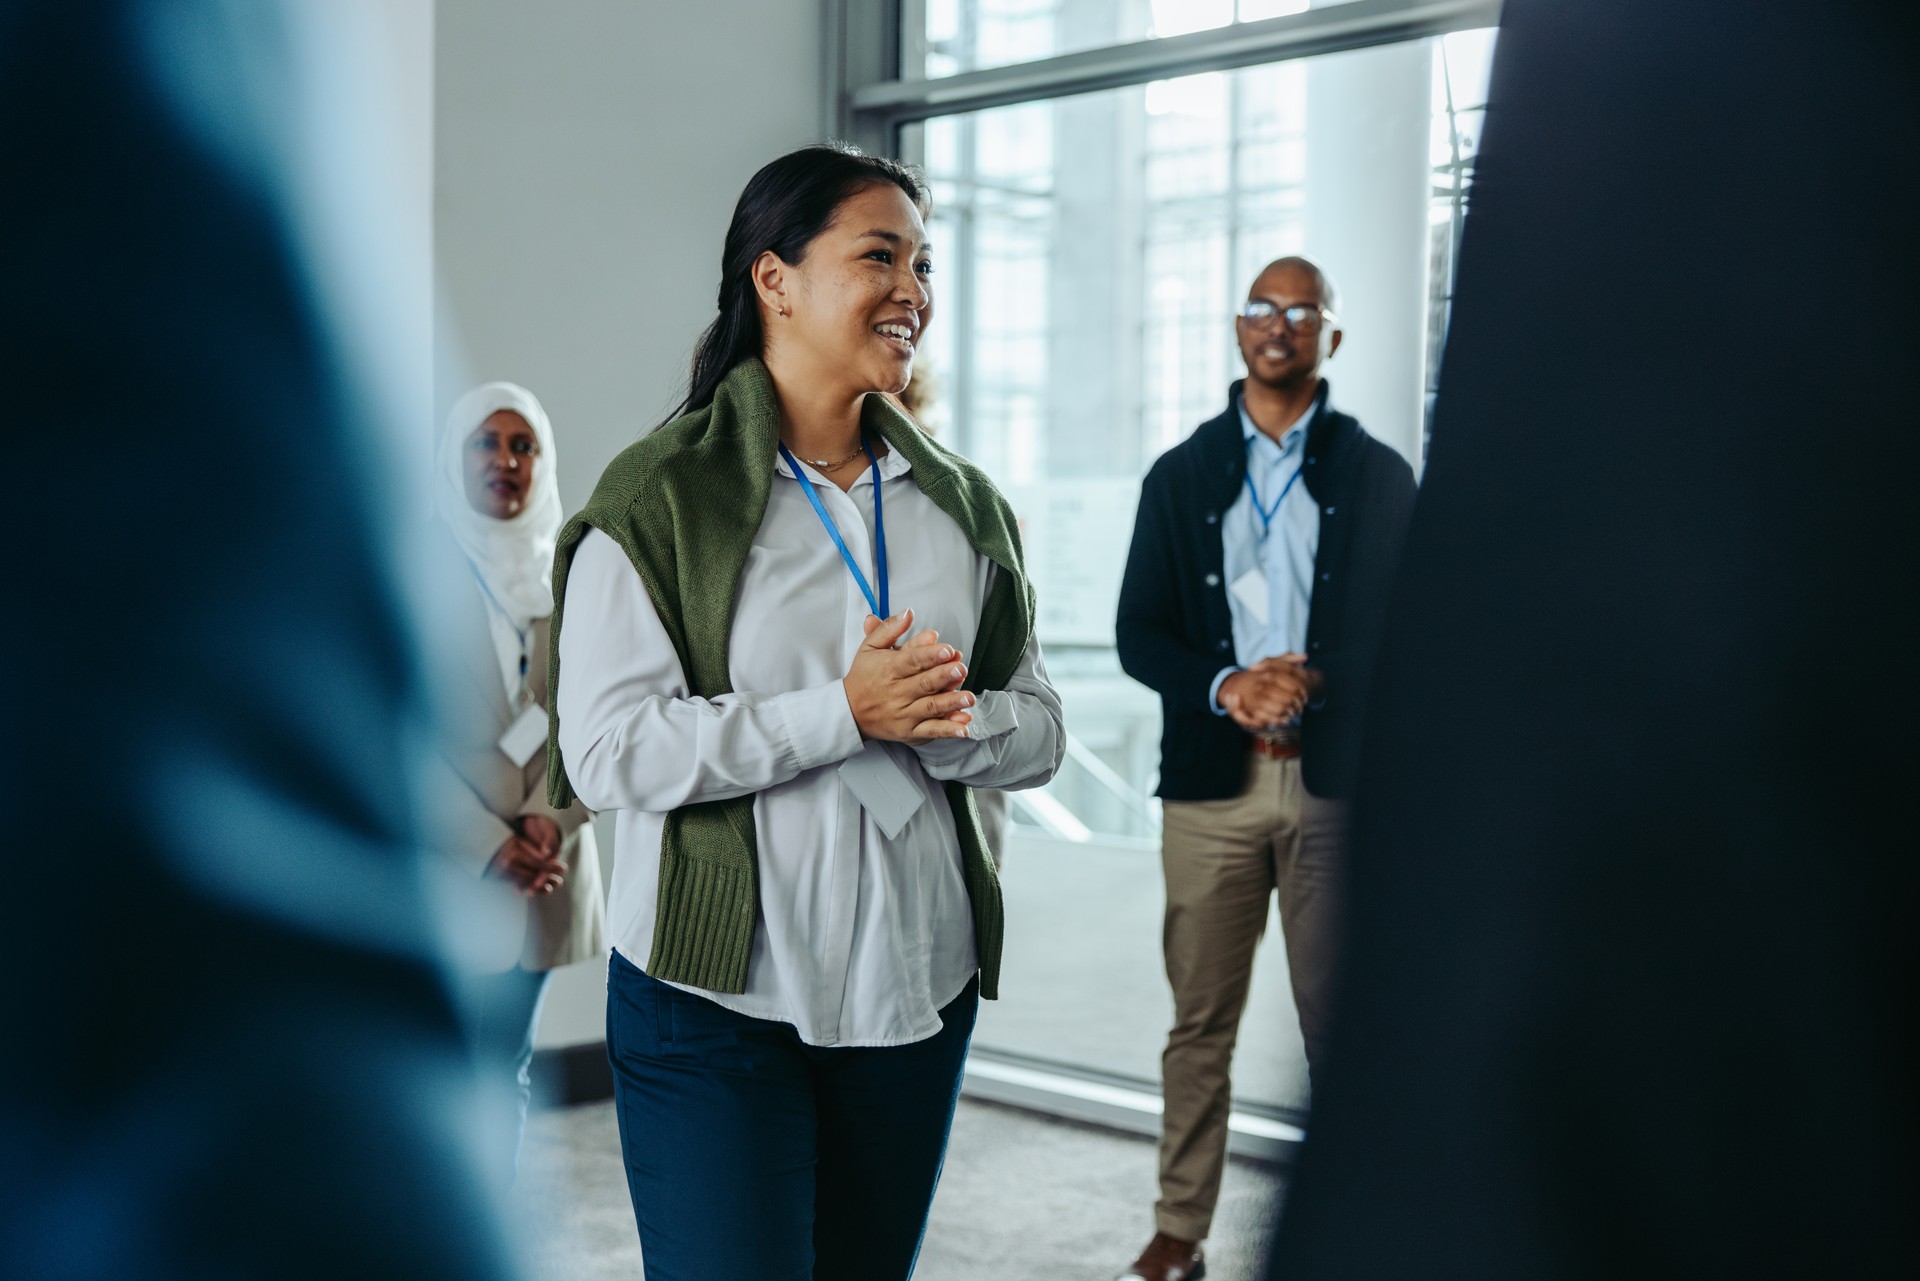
1300, 318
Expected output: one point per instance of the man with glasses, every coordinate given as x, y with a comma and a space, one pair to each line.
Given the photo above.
1253, 604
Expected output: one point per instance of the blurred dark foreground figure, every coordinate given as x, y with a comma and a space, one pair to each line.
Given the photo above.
1630, 988
230, 1048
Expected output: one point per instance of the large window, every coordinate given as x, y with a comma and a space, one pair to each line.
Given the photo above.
966, 35
1091, 251
1092, 238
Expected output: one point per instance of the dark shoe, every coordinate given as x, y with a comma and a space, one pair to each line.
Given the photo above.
1168, 1259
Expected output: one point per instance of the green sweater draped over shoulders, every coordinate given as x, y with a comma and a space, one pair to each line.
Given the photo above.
684, 503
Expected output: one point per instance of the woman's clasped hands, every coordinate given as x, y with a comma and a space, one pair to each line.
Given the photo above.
529, 860
907, 693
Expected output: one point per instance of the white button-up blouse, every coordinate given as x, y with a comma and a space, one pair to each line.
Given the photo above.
860, 939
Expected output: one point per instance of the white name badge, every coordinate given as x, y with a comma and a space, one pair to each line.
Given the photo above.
1250, 589
883, 788
527, 734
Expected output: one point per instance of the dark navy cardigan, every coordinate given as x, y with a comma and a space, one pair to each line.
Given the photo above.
1175, 630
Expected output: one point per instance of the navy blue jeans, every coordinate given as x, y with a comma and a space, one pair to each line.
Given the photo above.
752, 1156
508, 1011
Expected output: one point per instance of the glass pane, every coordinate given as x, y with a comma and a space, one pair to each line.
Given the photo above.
1090, 253
968, 35
1462, 62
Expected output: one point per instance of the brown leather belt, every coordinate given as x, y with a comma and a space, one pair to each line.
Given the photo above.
1276, 749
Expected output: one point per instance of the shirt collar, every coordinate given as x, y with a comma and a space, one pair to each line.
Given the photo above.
1291, 440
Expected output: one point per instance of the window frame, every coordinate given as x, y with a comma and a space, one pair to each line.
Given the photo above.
876, 48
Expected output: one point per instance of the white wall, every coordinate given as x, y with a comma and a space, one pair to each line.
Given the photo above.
587, 157
589, 154
409, 27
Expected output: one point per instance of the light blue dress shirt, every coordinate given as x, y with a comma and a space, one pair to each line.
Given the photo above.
1282, 551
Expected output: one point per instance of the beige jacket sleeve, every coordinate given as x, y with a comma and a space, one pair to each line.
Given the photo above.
462, 824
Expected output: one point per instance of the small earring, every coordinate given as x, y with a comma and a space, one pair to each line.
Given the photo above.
786, 311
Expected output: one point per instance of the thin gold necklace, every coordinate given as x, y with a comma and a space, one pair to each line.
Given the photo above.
824, 465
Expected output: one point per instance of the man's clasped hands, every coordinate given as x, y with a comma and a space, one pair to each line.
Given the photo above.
1268, 695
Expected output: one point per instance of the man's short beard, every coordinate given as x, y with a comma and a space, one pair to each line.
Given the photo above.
1299, 378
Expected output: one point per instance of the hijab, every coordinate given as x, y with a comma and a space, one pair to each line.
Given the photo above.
514, 558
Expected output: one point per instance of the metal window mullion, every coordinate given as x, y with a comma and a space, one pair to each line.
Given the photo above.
911, 23
1236, 100
864, 45
961, 377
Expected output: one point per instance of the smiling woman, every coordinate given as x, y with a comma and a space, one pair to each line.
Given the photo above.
827, 277
847, 317
808, 914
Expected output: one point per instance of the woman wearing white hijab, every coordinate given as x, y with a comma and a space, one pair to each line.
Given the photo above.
494, 488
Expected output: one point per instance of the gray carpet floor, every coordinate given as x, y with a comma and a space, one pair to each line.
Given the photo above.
1023, 1198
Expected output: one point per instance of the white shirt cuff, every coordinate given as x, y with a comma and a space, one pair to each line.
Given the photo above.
994, 714
819, 724
1213, 690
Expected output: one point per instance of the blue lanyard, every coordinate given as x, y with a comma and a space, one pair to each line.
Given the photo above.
877, 603
1266, 514
495, 602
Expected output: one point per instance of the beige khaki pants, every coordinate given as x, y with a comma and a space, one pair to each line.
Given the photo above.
1223, 859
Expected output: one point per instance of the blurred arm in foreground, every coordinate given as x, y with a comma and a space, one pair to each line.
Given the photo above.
231, 1047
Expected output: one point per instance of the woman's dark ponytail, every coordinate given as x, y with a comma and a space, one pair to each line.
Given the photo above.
784, 206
